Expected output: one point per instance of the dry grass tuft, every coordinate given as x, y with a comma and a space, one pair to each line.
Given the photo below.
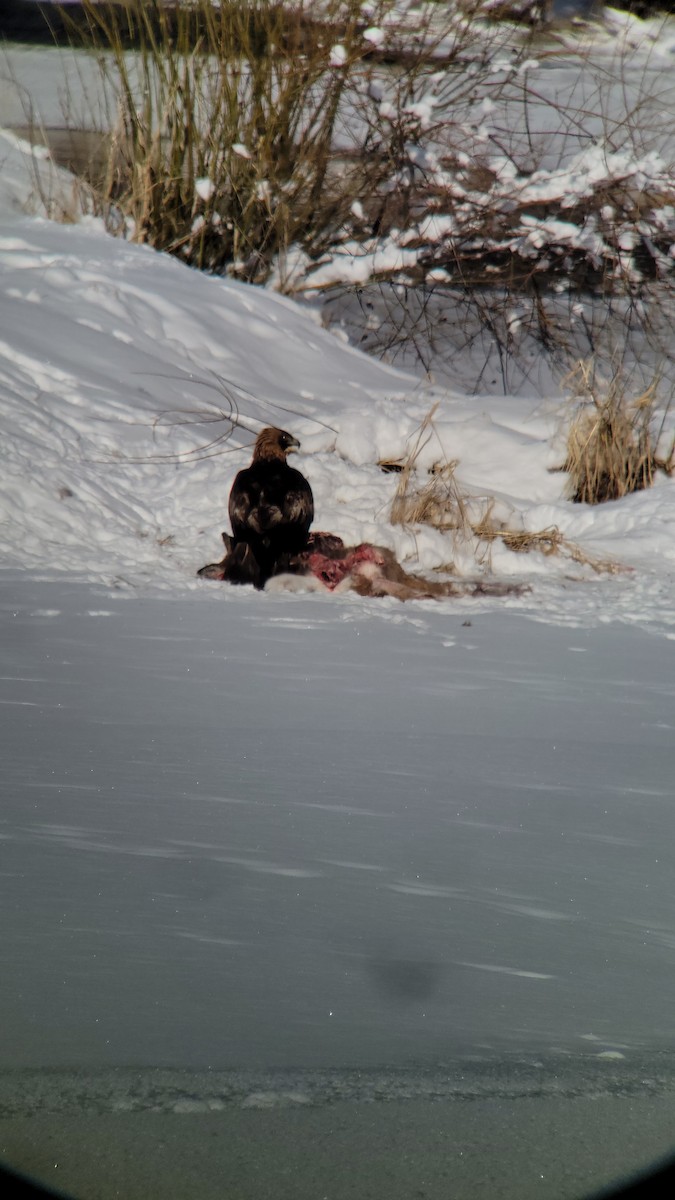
547, 541
611, 444
441, 503
438, 502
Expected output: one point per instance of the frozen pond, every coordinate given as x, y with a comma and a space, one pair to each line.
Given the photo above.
281, 832
299, 900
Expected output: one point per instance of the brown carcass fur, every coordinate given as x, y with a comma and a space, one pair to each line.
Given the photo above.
366, 569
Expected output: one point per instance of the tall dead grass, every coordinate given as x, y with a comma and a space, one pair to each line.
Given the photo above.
247, 127
613, 439
224, 126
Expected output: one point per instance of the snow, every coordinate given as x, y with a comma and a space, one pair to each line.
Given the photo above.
205, 187
301, 829
338, 55
473, 822
123, 371
374, 35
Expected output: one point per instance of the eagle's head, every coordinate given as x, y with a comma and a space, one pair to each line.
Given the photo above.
274, 443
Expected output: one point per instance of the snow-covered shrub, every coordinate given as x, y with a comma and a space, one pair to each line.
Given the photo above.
503, 195
244, 128
531, 223
604, 220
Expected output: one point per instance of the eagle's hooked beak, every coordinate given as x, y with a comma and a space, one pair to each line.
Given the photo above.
293, 444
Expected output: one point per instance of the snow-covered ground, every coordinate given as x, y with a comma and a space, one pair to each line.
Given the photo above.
251, 829
302, 840
121, 368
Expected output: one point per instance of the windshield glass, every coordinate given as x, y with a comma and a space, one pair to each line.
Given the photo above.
337, 513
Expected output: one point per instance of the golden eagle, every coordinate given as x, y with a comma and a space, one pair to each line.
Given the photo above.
271, 508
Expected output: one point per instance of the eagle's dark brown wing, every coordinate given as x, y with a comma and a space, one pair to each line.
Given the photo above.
271, 497
271, 508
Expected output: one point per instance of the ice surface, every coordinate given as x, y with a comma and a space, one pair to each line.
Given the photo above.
259, 830
295, 840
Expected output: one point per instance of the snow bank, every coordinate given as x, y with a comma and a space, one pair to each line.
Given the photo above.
121, 374
131, 388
